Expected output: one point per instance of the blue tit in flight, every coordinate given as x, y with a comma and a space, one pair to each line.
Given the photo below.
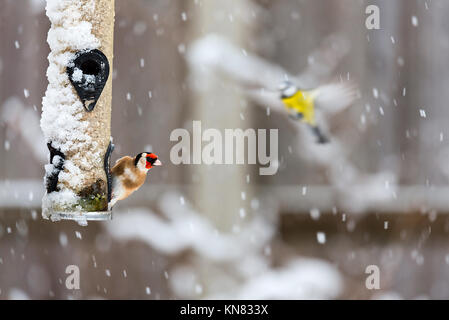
301, 105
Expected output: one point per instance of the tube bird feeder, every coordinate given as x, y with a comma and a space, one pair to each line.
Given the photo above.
76, 110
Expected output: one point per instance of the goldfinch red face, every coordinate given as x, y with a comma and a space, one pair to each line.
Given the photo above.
152, 160
146, 160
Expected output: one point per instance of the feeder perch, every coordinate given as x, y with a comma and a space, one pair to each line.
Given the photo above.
76, 111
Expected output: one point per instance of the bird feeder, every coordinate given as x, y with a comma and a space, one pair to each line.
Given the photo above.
76, 111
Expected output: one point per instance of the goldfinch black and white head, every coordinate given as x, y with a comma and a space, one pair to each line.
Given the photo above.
146, 160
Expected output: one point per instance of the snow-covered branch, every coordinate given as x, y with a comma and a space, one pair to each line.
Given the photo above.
245, 254
24, 122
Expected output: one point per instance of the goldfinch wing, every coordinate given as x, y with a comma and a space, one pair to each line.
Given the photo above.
121, 162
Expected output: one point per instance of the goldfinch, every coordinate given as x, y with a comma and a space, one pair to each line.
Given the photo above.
129, 174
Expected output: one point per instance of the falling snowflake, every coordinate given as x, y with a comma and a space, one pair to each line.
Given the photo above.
321, 237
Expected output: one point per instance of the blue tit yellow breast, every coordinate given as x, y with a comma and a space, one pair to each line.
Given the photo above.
302, 102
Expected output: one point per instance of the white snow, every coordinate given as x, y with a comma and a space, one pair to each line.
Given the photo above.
63, 241
177, 228
255, 204
139, 28
24, 122
315, 213
321, 237
198, 289
173, 234
17, 294
299, 279
65, 198
37, 6
214, 53
77, 75
182, 48
304, 191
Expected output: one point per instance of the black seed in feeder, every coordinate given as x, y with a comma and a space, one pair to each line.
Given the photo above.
88, 74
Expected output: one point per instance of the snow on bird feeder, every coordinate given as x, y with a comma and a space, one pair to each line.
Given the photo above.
76, 111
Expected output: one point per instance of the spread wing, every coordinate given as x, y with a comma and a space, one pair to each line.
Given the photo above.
335, 97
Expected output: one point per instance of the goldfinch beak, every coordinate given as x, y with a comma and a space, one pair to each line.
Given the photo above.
157, 163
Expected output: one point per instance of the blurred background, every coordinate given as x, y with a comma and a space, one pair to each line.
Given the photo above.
376, 195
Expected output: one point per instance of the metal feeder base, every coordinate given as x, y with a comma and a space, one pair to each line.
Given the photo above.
81, 216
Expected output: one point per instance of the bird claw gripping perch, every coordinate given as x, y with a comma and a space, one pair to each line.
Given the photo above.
88, 74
